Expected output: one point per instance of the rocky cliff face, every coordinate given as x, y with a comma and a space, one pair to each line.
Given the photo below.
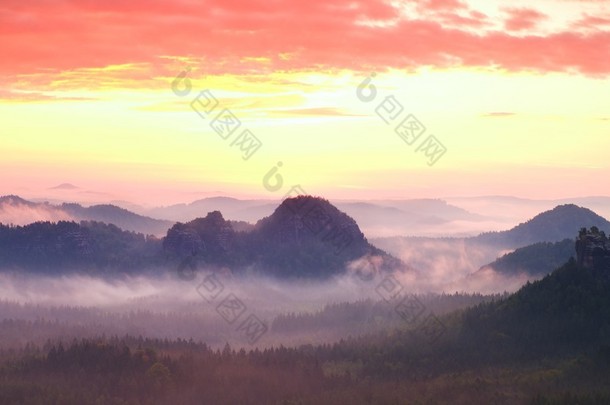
211, 237
304, 237
305, 220
593, 249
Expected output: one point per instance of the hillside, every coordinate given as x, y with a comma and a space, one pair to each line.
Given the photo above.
18, 211
563, 315
563, 221
87, 247
567, 311
537, 259
120, 217
304, 237
374, 217
549, 343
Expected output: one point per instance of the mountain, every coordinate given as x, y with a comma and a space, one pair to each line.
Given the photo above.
375, 217
537, 259
564, 315
304, 237
15, 200
211, 238
15, 210
512, 209
462, 257
233, 208
64, 186
560, 223
112, 214
593, 249
89, 247
566, 311
412, 217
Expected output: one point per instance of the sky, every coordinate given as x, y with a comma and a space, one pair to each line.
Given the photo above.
159, 102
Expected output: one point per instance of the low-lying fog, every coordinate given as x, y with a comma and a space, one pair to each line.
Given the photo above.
36, 308
203, 308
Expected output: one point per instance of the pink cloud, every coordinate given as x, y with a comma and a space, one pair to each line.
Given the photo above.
65, 35
593, 22
474, 19
442, 4
523, 19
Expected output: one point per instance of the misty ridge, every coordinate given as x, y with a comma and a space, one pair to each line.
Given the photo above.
301, 260
296, 313
303, 296
325, 243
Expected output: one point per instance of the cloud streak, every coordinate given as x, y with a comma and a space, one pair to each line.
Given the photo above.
258, 37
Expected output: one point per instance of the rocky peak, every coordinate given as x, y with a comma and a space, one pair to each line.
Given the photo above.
304, 219
593, 248
211, 235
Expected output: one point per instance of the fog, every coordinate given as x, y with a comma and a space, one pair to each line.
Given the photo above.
19, 214
451, 264
292, 311
172, 307
442, 274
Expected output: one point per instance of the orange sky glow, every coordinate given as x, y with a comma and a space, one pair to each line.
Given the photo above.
493, 98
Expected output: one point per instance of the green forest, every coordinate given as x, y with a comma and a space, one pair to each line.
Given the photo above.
549, 343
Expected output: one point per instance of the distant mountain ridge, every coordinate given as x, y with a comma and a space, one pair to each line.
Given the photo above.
538, 259
304, 237
112, 214
567, 309
13, 208
563, 221
592, 250
374, 217
66, 247
470, 254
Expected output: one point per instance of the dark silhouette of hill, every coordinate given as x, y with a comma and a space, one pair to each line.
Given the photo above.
565, 312
563, 221
197, 208
593, 248
559, 317
304, 237
87, 247
64, 186
111, 214
15, 200
107, 213
537, 259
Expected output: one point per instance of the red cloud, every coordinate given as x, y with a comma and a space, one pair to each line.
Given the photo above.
523, 19
442, 4
474, 19
593, 22
63, 35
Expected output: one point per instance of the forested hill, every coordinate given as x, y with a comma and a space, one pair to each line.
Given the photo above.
538, 259
564, 315
566, 311
549, 343
65, 246
555, 225
305, 237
